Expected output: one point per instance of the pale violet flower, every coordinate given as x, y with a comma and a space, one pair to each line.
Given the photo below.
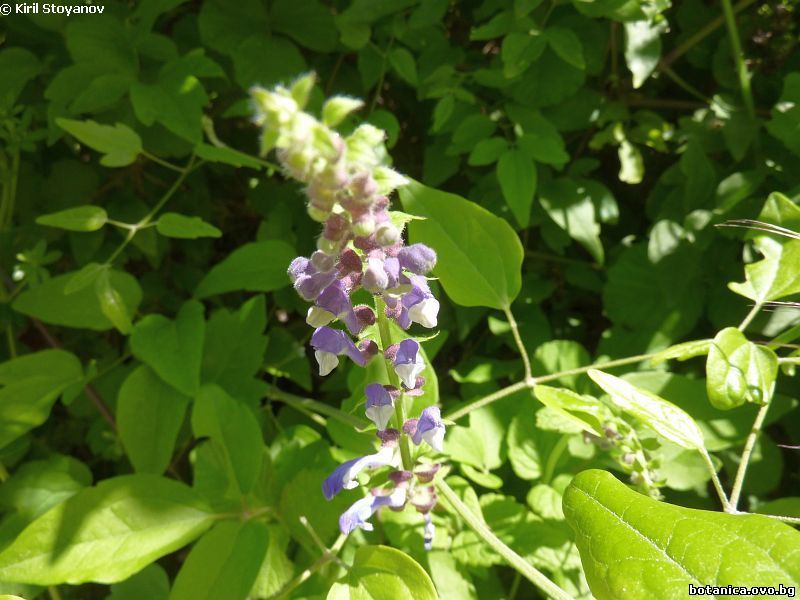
428, 531
328, 344
380, 405
358, 514
417, 258
430, 429
344, 476
319, 317
425, 313
408, 362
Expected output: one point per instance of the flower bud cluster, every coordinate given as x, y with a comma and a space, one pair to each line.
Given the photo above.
348, 183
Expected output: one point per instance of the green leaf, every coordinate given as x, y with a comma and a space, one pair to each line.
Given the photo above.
149, 417
80, 218
786, 113
119, 143
31, 385
517, 176
254, 267
277, 569
635, 547
643, 48
739, 371
382, 572
17, 67
586, 412
224, 563
235, 434
567, 45
235, 345
480, 255
107, 533
285, 62
180, 226
85, 277
569, 204
50, 303
487, 151
310, 23
402, 62
683, 351
173, 349
112, 303
663, 417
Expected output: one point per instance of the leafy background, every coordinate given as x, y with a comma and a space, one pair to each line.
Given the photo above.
167, 362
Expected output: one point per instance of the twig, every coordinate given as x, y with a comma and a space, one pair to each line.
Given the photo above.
746, 454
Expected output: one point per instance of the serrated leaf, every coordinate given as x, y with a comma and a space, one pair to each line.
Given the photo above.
255, 267
480, 255
636, 548
180, 226
224, 563
149, 416
739, 371
119, 143
107, 533
661, 416
79, 218
517, 176
383, 572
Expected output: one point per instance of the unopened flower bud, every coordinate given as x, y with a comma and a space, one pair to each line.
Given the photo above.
364, 227
349, 262
318, 214
417, 258
426, 473
375, 279
387, 234
322, 262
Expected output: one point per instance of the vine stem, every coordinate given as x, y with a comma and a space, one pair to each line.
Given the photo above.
738, 58
534, 381
715, 479
399, 409
520, 345
749, 444
327, 556
476, 523
749, 317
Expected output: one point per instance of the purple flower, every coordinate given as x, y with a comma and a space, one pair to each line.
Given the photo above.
380, 405
335, 300
358, 514
422, 307
428, 531
309, 282
344, 476
430, 428
375, 278
417, 258
408, 362
329, 344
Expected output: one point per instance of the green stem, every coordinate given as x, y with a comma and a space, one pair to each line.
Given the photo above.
553, 458
685, 85
738, 58
307, 404
520, 346
162, 162
750, 316
149, 216
53, 592
476, 523
399, 409
327, 556
715, 479
749, 445
498, 395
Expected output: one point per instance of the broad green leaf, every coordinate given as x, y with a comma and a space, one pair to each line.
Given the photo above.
382, 572
517, 176
661, 416
50, 303
227, 156
31, 385
276, 569
254, 267
173, 349
85, 277
151, 582
80, 218
224, 563
487, 151
119, 143
479, 254
739, 371
570, 205
643, 48
637, 548
112, 303
106, 533
286, 59
776, 275
402, 62
528, 447
17, 67
310, 23
683, 351
519, 50
453, 581
588, 413
567, 45
149, 416
234, 349
180, 226
235, 435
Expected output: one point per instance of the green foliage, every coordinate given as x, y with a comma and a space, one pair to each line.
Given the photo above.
608, 174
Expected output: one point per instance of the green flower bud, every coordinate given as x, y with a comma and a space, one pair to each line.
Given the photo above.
364, 227
337, 108
301, 89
